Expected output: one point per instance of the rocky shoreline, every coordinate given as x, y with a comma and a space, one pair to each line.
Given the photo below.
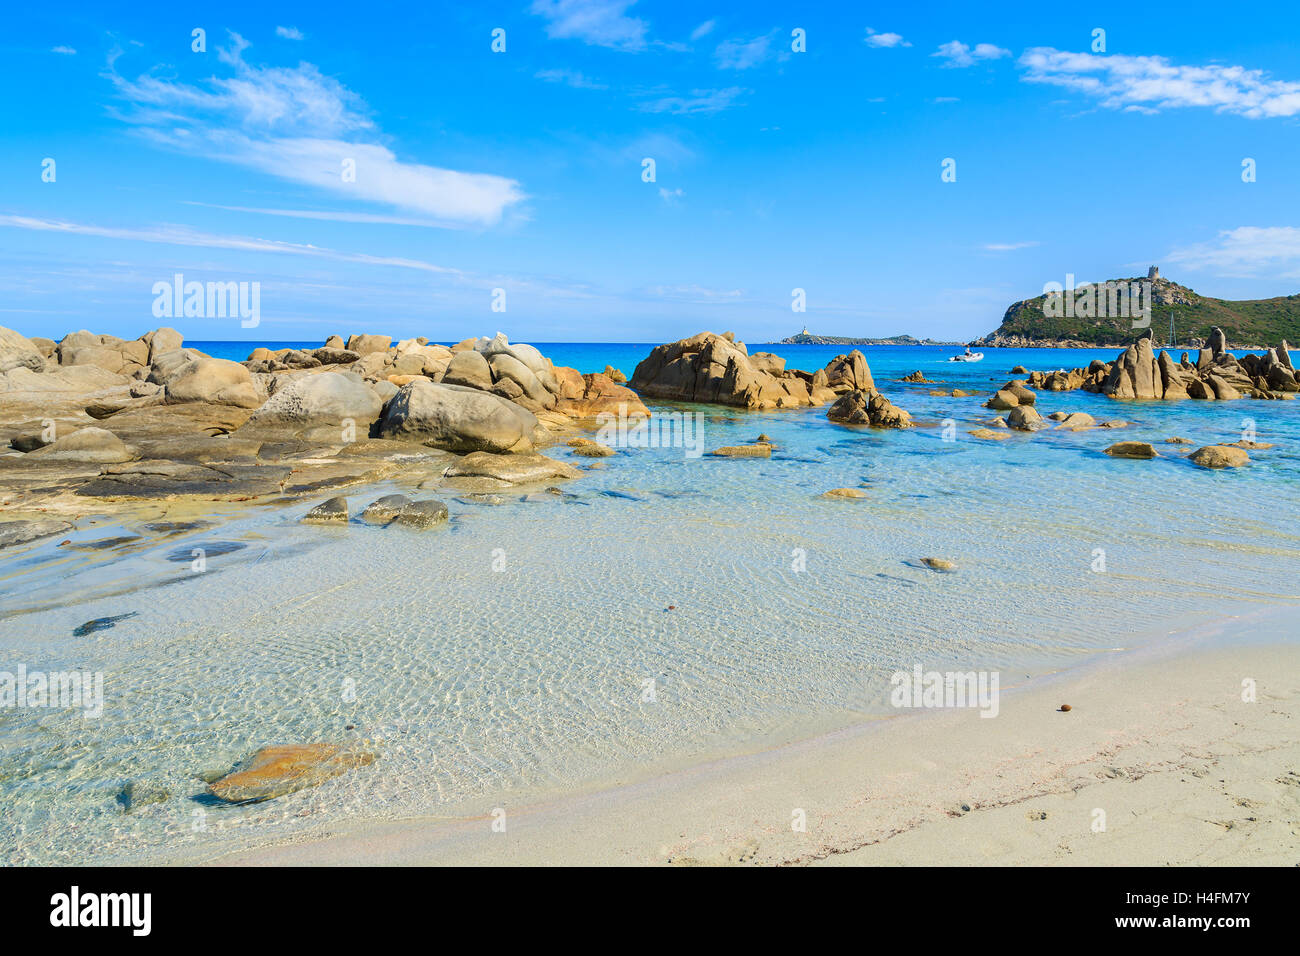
98, 423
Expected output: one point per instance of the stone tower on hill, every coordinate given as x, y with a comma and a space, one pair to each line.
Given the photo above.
1153, 272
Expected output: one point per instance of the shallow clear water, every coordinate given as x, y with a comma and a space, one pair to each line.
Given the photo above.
480, 688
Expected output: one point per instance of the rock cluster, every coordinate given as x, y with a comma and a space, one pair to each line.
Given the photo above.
102, 417
1138, 373
719, 370
868, 407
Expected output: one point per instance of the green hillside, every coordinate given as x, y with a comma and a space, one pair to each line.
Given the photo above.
1248, 322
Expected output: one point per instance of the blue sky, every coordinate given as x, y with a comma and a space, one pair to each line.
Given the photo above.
775, 169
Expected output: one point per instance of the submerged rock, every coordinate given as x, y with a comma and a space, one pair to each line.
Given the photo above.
845, 493
515, 469
385, 509
1131, 449
101, 624
328, 512
276, 771
424, 513
762, 450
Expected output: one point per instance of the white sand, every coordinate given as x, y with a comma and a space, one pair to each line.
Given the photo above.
1184, 770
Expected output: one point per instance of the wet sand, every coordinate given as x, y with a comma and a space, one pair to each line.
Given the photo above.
1158, 762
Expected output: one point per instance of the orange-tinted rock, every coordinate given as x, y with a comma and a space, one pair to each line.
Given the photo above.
275, 771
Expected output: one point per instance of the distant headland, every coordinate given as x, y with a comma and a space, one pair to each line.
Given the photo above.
1081, 316
807, 338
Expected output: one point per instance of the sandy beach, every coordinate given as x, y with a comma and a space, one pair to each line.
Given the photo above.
1159, 762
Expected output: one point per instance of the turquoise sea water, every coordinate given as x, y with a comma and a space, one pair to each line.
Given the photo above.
506, 656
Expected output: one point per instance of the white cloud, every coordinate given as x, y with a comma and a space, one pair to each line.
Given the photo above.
65, 50
1007, 246
175, 235
330, 215
184, 236
1147, 84
699, 295
299, 125
671, 196
572, 78
595, 22
743, 54
703, 30
958, 54
884, 40
699, 101
1246, 251
288, 33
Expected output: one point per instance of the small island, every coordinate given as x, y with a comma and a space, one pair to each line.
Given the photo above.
807, 338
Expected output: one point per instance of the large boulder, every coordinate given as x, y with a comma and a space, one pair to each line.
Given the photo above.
586, 396
18, 351
1025, 418
161, 341
470, 369
1220, 456
87, 445
215, 381
505, 365
459, 419
1135, 374
527, 354
365, 344
868, 407
717, 369
844, 373
325, 399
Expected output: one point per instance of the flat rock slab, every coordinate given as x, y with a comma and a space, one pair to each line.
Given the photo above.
308, 478
517, 469
171, 479
14, 533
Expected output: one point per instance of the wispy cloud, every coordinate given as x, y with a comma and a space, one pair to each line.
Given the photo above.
300, 125
744, 54
958, 54
1151, 83
1006, 246
595, 22
65, 50
884, 41
1245, 252
671, 196
174, 235
696, 294
699, 101
288, 33
703, 30
332, 215
573, 78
